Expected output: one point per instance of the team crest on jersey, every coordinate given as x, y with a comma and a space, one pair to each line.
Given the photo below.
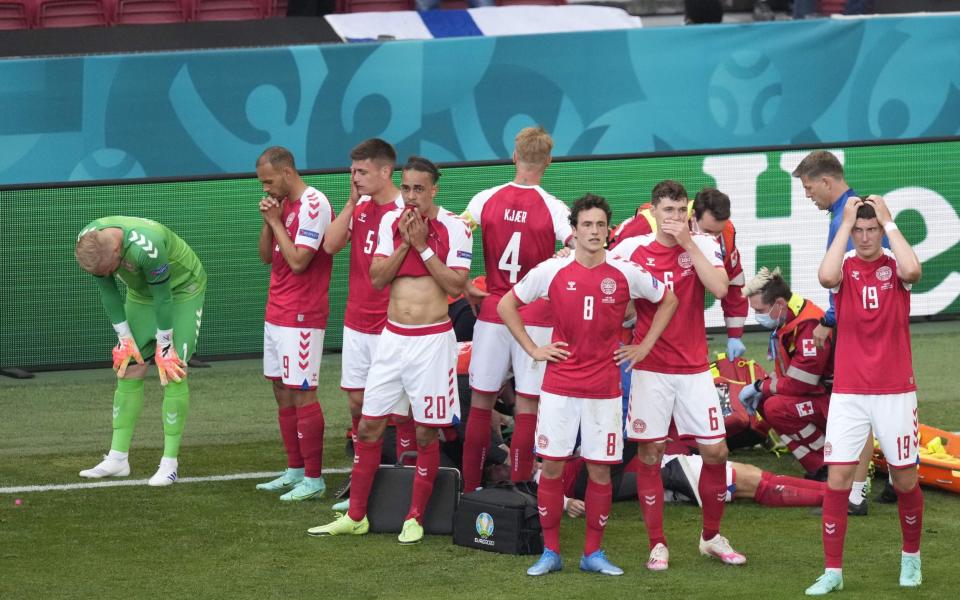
290, 219
855, 275
608, 286
362, 218
638, 426
828, 449
542, 442
571, 286
651, 261
685, 261
129, 266
884, 273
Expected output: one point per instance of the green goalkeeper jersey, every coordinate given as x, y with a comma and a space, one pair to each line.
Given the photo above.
156, 265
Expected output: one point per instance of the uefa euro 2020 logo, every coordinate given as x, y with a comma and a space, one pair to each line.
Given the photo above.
484, 525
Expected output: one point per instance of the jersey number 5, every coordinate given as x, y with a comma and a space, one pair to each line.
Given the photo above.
510, 259
368, 243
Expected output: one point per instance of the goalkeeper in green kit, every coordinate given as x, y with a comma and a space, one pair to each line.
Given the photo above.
161, 318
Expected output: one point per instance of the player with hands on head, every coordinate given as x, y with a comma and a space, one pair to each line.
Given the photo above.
164, 303
588, 294
874, 385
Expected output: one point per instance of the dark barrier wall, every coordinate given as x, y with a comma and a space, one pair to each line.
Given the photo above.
52, 313
462, 100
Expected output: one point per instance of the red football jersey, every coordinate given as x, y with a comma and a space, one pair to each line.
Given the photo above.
448, 236
682, 348
520, 226
366, 310
300, 300
588, 307
873, 354
734, 304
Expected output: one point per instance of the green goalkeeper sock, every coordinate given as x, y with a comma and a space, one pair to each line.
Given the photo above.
176, 403
127, 402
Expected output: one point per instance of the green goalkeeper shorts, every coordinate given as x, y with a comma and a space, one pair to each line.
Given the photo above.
186, 326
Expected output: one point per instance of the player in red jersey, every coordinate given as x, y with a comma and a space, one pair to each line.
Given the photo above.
423, 252
795, 402
873, 384
710, 214
674, 381
372, 195
520, 225
589, 292
295, 220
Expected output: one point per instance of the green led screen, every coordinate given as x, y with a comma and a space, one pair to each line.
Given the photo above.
52, 313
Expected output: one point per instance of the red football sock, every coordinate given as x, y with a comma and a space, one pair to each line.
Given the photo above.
713, 493
650, 494
428, 461
785, 493
288, 432
599, 499
807, 484
366, 461
911, 518
310, 431
406, 436
550, 505
834, 527
521, 447
354, 424
475, 445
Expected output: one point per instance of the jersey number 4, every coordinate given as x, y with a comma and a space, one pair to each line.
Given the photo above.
510, 259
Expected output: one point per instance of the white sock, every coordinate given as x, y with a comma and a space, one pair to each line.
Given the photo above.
913, 554
115, 455
837, 571
857, 492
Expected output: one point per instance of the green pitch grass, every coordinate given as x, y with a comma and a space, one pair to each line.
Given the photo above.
227, 540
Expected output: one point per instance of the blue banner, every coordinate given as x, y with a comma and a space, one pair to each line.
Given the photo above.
613, 92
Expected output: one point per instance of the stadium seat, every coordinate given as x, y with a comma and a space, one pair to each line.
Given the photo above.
228, 10
149, 12
353, 6
71, 13
14, 14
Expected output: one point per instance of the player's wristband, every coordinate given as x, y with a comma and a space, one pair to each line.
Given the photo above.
164, 337
123, 330
890, 226
426, 254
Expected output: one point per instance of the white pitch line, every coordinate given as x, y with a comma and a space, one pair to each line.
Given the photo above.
59, 487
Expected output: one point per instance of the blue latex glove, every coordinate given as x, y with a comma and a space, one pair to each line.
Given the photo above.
750, 399
735, 348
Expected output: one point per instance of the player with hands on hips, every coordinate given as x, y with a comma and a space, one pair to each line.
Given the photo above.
588, 295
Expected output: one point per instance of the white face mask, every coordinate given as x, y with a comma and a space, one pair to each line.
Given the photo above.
765, 320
